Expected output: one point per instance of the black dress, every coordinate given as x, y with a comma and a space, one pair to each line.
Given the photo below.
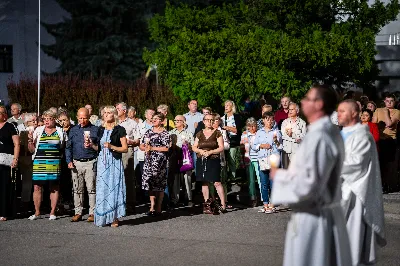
6, 189
208, 169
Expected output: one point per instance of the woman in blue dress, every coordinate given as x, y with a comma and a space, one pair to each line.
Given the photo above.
110, 182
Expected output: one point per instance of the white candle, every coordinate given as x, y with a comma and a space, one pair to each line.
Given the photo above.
274, 160
146, 140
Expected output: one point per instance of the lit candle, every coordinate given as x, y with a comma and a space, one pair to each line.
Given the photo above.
274, 160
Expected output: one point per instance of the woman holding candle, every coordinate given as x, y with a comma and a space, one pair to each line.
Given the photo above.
267, 141
155, 144
250, 159
9, 152
208, 145
293, 131
110, 182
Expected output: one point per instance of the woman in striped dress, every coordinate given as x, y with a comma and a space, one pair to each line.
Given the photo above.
46, 143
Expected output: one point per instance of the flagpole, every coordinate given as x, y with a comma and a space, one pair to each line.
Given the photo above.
38, 98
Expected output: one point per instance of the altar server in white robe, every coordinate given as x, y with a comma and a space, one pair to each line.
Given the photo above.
316, 233
362, 201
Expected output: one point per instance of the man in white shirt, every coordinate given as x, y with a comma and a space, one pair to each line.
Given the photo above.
128, 162
193, 117
16, 114
316, 233
362, 200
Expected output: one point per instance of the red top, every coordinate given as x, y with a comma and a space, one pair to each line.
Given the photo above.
280, 115
373, 128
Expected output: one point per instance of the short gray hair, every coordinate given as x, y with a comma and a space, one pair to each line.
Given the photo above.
18, 106
297, 106
147, 110
124, 106
131, 109
29, 117
251, 121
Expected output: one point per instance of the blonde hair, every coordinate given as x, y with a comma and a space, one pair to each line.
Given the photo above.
233, 105
50, 113
112, 110
267, 106
163, 107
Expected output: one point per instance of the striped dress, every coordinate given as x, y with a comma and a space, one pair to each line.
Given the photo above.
47, 162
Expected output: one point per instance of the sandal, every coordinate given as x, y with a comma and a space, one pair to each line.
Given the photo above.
115, 223
33, 217
263, 209
3, 219
270, 210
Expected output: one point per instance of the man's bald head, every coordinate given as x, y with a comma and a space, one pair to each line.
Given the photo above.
83, 116
348, 113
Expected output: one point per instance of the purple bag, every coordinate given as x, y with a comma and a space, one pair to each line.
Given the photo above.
187, 161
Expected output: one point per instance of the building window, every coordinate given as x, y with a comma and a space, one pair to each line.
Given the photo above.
6, 59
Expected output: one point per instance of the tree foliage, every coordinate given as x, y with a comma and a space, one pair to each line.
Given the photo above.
102, 37
277, 47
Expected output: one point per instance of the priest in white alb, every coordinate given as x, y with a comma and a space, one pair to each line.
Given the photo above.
362, 201
316, 233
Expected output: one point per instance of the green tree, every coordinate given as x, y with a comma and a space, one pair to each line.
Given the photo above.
277, 47
102, 37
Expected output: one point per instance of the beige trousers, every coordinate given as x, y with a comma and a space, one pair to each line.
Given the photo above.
83, 174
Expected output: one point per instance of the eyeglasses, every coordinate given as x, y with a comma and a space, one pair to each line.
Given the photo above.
208, 120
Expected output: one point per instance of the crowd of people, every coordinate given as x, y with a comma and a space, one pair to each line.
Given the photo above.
118, 157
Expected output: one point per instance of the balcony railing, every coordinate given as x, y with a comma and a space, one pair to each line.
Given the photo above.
388, 39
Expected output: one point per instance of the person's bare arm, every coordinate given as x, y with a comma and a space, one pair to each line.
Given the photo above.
390, 122
15, 139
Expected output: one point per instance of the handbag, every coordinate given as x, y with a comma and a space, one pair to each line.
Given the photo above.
264, 164
187, 160
6, 159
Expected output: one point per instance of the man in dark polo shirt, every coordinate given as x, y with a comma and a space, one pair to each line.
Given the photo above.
283, 112
81, 159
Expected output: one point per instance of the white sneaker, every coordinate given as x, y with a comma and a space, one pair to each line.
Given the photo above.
33, 217
52, 217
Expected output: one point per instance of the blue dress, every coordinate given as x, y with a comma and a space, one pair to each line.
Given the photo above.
110, 186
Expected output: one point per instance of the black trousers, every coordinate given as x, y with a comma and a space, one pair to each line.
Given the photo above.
6, 191
389, 158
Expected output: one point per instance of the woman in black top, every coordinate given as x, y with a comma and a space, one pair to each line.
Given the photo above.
9, 152
110, 180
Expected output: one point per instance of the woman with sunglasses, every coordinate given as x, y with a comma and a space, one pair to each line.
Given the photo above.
155, 143
208, 145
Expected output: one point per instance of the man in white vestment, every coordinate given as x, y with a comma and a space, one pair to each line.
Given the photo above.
316, 233
362, 201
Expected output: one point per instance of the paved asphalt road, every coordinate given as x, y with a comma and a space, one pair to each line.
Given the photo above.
241, 237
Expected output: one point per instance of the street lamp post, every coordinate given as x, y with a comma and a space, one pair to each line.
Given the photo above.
38, 98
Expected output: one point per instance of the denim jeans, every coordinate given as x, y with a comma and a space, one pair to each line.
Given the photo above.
266, 185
